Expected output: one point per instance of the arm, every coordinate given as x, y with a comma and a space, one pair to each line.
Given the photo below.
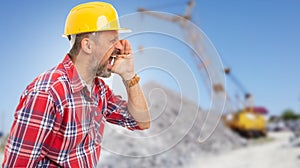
118, 112
34, 118
137, 105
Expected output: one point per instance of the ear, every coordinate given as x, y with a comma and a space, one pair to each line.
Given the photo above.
86, 45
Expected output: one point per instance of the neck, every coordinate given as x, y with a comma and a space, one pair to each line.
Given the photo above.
81, 62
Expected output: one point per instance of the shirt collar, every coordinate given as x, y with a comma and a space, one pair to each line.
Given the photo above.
77, 83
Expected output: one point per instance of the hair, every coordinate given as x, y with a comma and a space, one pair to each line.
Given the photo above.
74, 51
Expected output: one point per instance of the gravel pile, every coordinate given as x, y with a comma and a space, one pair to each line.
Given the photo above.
172, 140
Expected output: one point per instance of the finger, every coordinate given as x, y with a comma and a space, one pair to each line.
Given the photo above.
125, 42
126, 47
123, 46
129, 56
121, 56
124, 56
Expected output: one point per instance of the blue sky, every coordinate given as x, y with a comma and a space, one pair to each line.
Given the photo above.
258, 39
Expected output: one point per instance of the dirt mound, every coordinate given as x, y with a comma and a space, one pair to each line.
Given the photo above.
172, 140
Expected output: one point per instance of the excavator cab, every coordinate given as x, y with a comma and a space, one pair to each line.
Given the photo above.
250, 121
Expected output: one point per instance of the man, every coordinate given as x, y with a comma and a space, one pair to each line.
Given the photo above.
60, 118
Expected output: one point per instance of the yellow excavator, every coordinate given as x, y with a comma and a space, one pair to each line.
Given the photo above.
250, 121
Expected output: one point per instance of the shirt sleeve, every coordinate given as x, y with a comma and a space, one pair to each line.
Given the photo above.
34, 118
117, 111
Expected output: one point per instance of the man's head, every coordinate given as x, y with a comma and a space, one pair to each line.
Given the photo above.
97, 49
92, 17
92, 28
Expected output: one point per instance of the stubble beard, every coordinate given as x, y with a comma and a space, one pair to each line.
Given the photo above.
103, 71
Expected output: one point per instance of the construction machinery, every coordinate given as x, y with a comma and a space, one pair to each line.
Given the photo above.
248, 121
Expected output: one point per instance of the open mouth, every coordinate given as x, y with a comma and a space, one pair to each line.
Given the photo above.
114, 54
111, 60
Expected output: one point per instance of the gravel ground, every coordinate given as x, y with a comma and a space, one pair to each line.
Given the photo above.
172, 141
1, 159
276, 153
178, 147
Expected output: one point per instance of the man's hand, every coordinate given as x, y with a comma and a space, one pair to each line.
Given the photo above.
124, 66
124, 63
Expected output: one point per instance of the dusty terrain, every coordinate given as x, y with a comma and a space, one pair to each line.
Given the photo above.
224, 149
1, 159
173, 142
275, 153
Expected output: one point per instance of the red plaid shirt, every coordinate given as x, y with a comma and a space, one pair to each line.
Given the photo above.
58, 123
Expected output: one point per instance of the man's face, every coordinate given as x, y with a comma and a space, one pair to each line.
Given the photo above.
107, 45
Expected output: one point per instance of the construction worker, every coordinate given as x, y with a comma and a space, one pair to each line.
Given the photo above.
60, 118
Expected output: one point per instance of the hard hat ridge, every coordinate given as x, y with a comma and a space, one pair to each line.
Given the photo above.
92, 17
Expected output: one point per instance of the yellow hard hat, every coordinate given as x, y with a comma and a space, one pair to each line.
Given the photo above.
92, 17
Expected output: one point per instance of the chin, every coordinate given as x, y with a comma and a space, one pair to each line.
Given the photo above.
104, 74
103, 71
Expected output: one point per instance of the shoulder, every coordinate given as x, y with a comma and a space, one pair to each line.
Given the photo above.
102, 84
104, 89
50, 81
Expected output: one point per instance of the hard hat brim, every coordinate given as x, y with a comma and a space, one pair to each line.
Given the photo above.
120, 30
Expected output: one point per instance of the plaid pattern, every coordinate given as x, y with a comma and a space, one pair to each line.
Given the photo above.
58, 123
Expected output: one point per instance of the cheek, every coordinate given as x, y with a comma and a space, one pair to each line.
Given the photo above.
103, 52
99, 55
103, 59
106, 47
